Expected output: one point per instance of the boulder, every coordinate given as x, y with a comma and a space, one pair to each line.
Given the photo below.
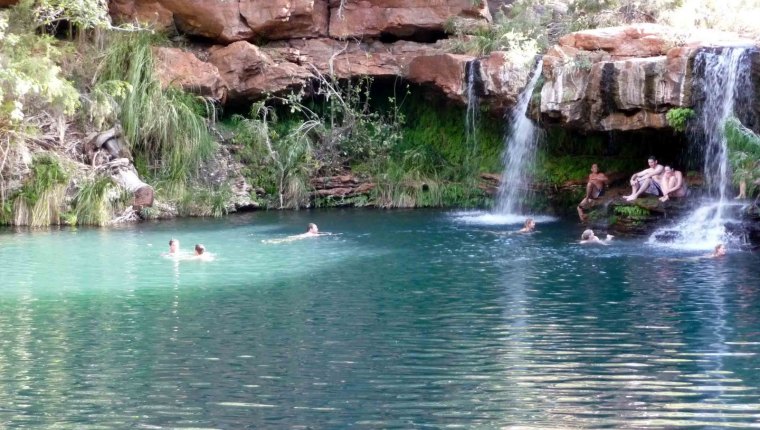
219, 20
146, 12
184, 70
286, 19
249, 73
229, 21
442, 71
403, 19
502, 81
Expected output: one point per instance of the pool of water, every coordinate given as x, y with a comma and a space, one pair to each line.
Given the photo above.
405, 319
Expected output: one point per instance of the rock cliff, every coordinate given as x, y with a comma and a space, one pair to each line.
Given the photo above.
622, 78
268, 47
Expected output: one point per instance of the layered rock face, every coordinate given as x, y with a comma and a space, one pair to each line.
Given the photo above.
233, 20
307, 38
622, 78
399, 18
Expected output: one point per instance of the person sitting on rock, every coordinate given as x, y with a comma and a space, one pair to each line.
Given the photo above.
594, 189
588, 237
672, 183
646, 181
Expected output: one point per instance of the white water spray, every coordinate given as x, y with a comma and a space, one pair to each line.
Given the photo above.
724, 75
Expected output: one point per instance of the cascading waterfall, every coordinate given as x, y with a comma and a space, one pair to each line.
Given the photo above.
519, 152
472, 114
725, 74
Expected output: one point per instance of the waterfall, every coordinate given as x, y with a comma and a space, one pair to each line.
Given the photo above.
722, 76
472, 114
519, 153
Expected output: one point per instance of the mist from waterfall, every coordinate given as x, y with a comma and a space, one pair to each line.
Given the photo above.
519, 154
724, 75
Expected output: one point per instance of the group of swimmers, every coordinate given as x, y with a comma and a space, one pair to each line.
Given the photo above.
588, 236
662, 181
199, 254
200, 251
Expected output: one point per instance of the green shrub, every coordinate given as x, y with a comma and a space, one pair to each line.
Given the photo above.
678, 118
40, 200
743, 153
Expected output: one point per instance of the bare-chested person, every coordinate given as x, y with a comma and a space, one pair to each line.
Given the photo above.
646, 181
672, 184
594, 188
588, 237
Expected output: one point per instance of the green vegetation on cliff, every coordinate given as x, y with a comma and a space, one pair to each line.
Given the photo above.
743, 154
165, 128
384, 133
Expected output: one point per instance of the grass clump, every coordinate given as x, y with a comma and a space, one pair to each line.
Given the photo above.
205, 202
165, 128
93, 204
41, 198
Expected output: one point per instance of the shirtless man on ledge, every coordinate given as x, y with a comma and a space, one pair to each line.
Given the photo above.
646, 181
594, 189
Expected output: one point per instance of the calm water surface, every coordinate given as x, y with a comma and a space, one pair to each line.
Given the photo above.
403, 320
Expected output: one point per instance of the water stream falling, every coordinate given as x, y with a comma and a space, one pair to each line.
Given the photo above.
519, 153
724, 75
472, 114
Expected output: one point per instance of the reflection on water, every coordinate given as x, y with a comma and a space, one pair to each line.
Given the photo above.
404, 319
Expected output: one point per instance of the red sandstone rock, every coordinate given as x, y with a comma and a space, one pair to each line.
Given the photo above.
185, 70
444, 71
215, 19
286, 19
149, 12
400, 18
250, 73
622, 78
346, 59
502, 80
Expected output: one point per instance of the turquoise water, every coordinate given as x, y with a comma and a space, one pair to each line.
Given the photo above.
403, 320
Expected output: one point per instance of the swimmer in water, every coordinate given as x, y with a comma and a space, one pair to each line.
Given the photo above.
311, 231
201, 254
173, 248
588, 237
528, 227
